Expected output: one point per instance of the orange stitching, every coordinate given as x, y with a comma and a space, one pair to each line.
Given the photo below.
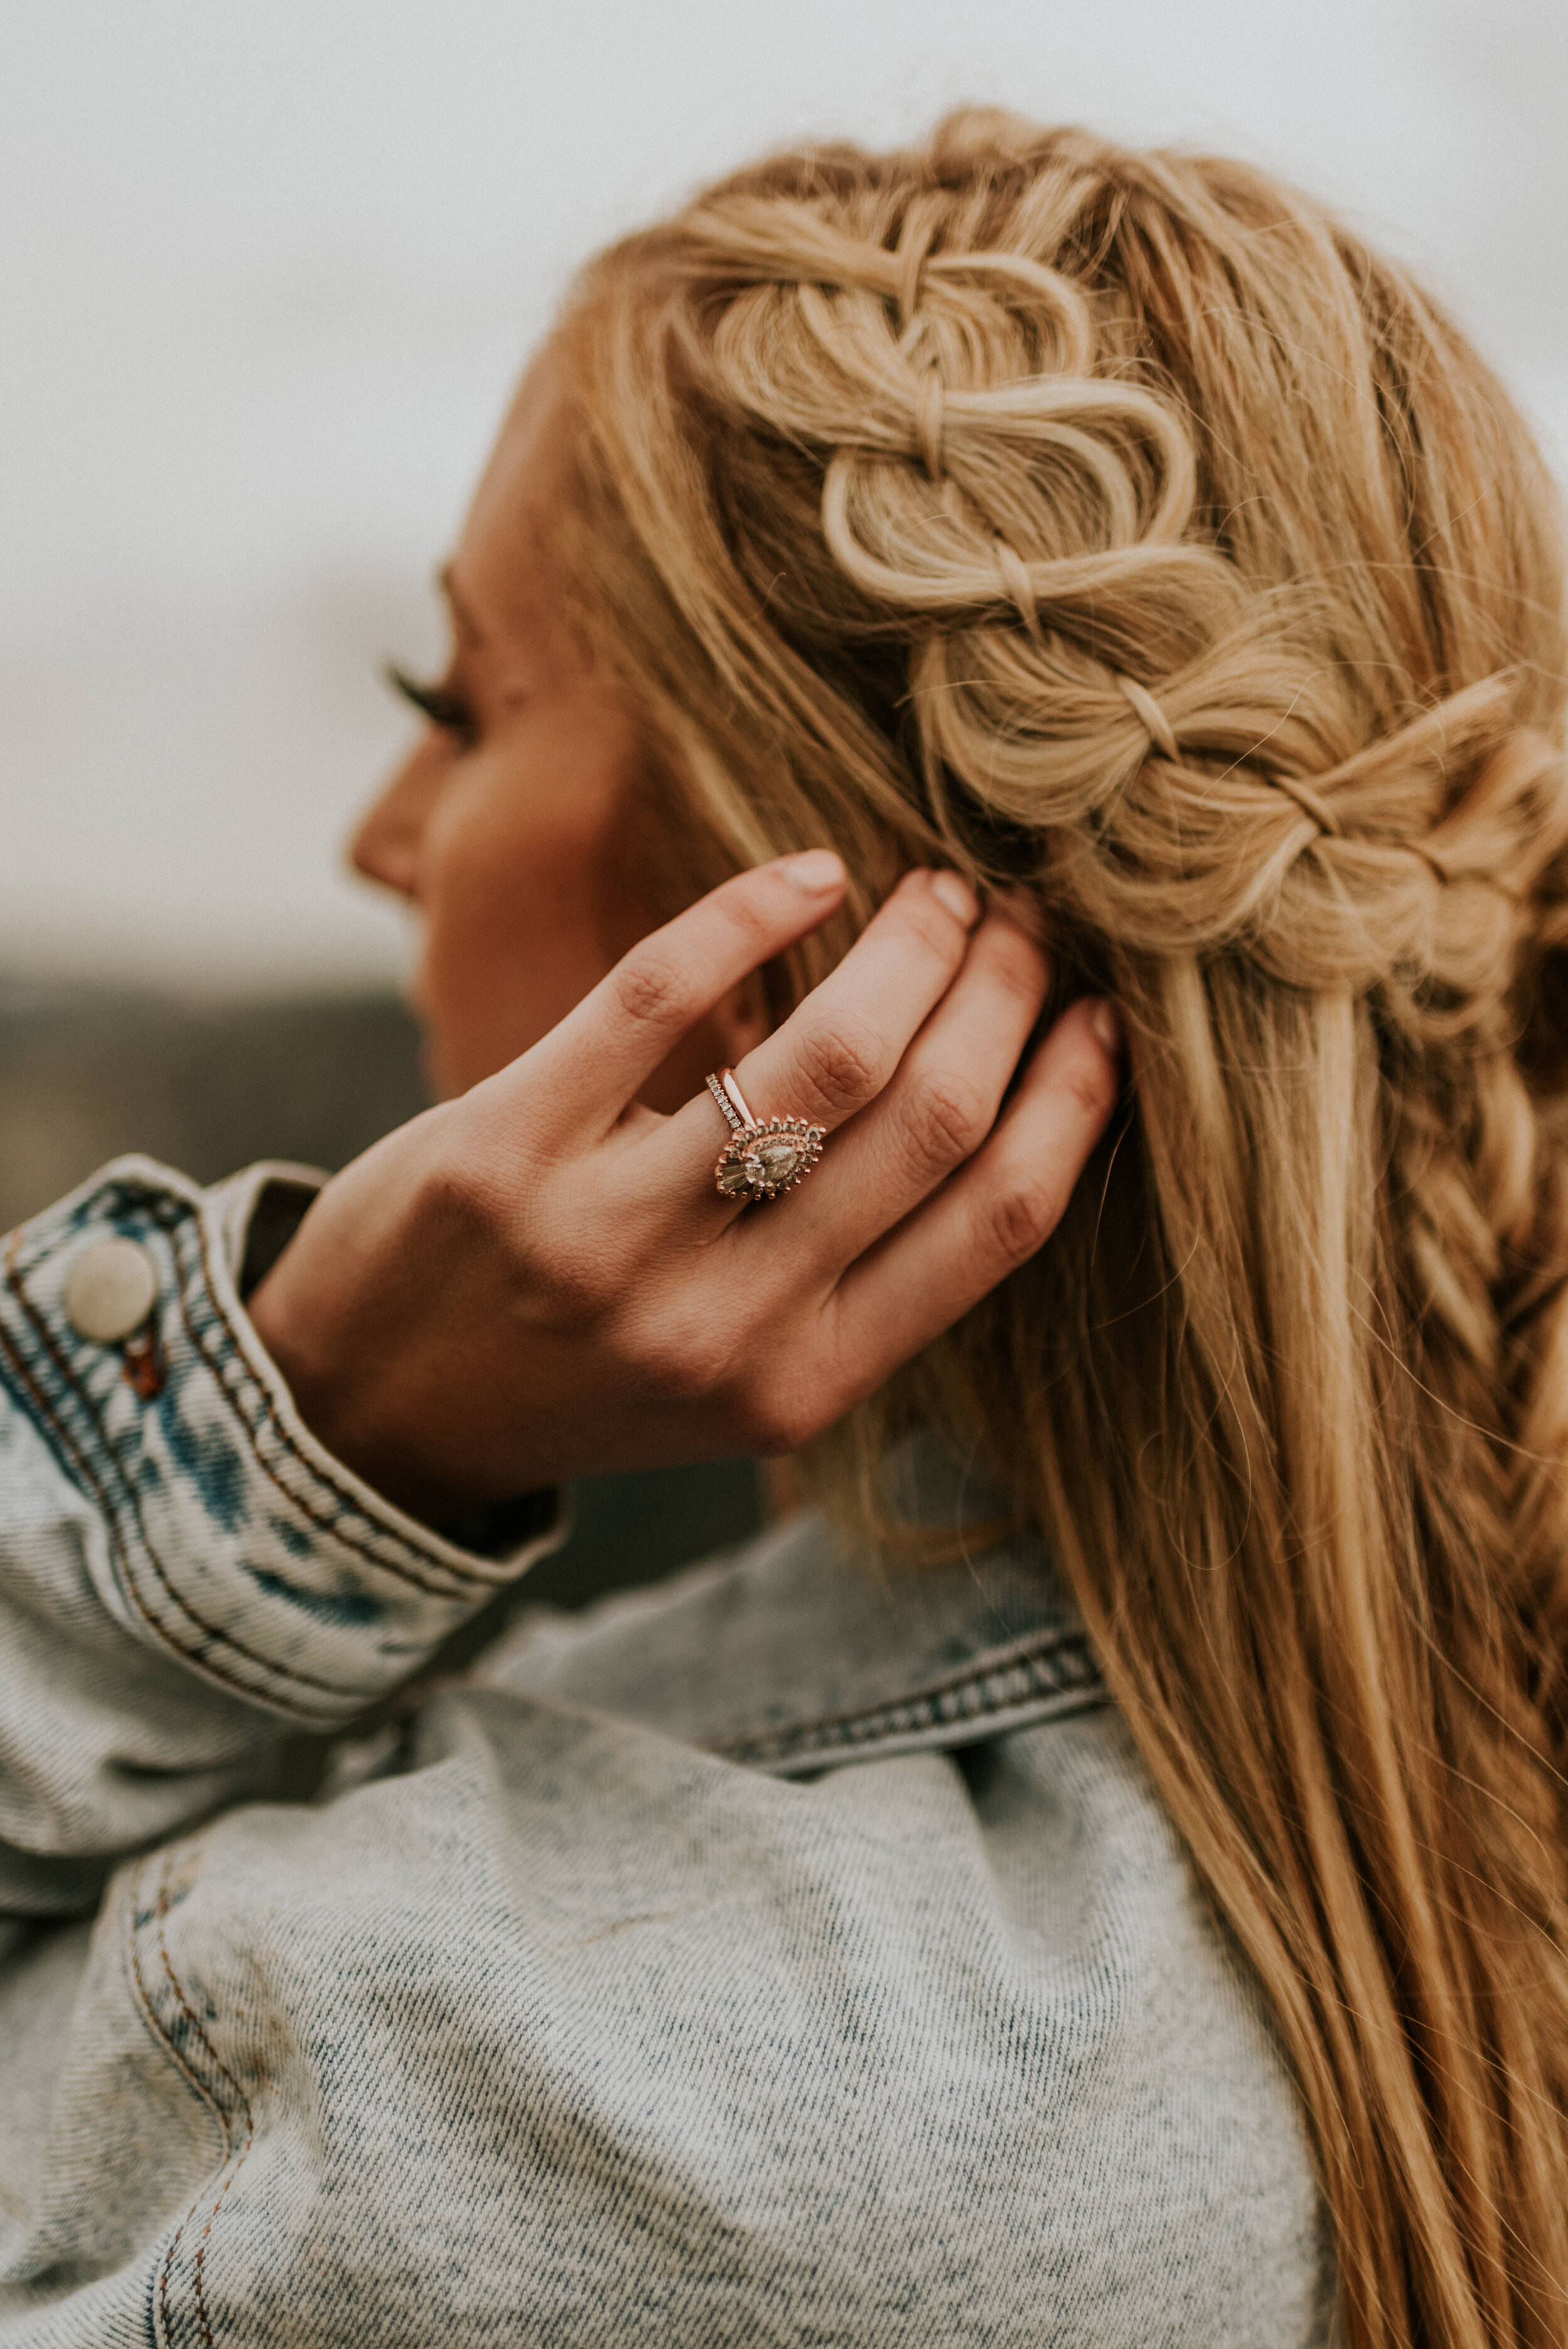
192, 2077
234, 2165
166, 2267
466, 1583
149, 2013
82, 1466
353, 1542
178, 1987
199, 2262
90, 1477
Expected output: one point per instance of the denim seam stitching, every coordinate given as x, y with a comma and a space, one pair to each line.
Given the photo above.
76, 1464
162, 1632
176, 1218
233, 2163
194, 2080
74, 1461
935, 1702
248, 1386
148, 2013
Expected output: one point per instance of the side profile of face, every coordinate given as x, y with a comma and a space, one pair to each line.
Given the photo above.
513, 827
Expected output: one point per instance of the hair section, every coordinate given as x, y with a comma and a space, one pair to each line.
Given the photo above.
1118, 528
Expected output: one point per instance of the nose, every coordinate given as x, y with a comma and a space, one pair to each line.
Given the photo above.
387, 841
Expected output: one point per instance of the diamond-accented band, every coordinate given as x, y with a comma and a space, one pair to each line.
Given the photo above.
761, 1160
736, 1112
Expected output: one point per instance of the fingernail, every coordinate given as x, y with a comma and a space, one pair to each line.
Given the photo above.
952, 891
1106, 1026
815, 870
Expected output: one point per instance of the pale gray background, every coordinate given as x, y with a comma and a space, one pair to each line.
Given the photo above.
268, 271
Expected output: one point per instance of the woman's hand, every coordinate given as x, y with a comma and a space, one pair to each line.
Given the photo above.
538, 1279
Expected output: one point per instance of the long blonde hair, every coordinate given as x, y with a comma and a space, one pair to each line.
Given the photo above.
1119, 525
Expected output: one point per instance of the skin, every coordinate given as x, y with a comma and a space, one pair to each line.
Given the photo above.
510, 834
537, 1279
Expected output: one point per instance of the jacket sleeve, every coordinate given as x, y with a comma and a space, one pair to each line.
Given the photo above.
189, 1585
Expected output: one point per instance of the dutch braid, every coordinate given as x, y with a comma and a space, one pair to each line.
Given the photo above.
927, 494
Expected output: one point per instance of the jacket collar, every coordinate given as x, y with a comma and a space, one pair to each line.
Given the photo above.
795, 1654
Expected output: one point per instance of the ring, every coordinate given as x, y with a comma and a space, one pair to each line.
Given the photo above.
760, 1161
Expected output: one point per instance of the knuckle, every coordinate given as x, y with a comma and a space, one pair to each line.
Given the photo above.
1090, 1086
930, 924
466, 1194
777, 1418
679, 1361
948, 1117
563, 1274
1023, 1214
842, 1066
576, 1287
1018, 970
651, 989
748, 916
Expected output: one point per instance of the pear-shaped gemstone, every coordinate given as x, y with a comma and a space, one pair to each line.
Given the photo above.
780, 1158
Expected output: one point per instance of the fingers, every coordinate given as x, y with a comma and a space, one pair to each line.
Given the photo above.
941, 1101
992, 1215
838, 1049
596, 1058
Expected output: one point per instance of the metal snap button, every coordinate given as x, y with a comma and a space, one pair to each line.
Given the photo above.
109, 1290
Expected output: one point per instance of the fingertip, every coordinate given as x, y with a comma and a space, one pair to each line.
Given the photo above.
815, 872
952, 890
1106, 1026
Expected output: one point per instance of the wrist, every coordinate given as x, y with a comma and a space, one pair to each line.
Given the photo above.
331, 1395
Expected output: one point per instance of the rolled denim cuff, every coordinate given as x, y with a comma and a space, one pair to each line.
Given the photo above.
234, 1540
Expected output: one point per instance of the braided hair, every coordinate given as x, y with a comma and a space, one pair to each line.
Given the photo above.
1120, 530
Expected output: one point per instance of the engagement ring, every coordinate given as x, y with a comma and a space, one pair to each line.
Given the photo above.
760, 1160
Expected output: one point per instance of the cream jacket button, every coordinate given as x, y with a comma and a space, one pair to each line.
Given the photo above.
109, 1290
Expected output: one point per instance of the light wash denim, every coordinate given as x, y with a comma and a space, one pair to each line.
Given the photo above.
796, 1954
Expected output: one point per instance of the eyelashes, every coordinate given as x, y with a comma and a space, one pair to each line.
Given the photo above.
438, 703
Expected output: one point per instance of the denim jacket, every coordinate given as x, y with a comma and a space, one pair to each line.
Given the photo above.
795, 1954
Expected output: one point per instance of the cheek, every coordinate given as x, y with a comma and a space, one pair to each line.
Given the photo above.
524, 913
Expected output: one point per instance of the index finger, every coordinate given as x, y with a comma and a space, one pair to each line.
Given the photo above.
601, 1053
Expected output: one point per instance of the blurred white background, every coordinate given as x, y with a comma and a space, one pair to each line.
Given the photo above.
267, 273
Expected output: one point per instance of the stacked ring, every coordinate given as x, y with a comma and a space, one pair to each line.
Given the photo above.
761, 1160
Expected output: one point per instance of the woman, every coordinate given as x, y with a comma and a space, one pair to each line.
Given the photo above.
1183, 1957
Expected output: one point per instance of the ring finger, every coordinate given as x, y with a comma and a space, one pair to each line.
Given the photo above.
838, 1049
941, 1102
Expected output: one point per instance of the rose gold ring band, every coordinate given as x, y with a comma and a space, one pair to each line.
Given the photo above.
761, 1159
724, 1087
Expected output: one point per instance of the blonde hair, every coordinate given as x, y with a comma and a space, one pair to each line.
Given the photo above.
1119, 525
